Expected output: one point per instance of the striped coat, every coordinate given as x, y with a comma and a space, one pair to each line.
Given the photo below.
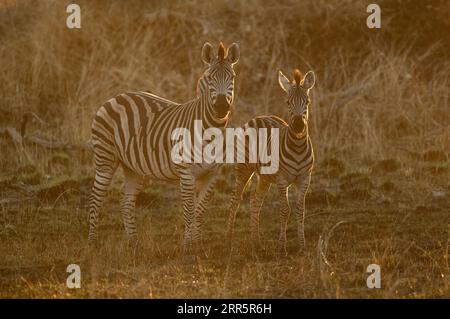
134, 130
296, 159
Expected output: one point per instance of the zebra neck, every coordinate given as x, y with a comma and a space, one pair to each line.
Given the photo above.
292, 139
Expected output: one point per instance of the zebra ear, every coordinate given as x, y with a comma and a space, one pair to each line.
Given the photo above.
233, 53
207, 53
284, 81
309, 80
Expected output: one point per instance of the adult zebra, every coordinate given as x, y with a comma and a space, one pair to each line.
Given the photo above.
296, 160
134, 130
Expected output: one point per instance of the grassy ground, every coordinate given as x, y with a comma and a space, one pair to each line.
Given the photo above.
383, 224
379, 125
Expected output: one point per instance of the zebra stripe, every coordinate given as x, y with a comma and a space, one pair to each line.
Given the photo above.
296, 159
134, 130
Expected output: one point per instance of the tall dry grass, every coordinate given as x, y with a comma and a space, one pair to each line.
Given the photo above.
375, 88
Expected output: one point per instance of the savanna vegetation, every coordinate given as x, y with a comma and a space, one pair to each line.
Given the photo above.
379, 123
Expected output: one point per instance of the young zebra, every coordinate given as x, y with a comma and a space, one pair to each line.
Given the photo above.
134, 130
295, 164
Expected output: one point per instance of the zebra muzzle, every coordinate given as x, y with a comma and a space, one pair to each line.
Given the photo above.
222, 106
298, 124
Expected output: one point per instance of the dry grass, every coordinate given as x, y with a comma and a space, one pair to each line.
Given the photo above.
380, 128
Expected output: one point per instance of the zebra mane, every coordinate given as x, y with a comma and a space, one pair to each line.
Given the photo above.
221, 52
298, 76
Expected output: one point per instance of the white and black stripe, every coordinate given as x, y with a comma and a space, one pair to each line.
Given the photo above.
296, 159
134, 130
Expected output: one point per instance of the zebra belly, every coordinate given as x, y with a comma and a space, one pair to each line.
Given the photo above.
157, 164
152, 163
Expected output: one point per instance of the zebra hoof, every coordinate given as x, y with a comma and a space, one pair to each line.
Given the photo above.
188, 250
258, 248
132, 245
198, 250
188, 259
301, 249
282, 251
92, 242
194, 248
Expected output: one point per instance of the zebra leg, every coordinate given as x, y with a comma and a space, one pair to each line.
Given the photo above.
302, 186
102, 181
132, 187
243, 175
284, 214
255, 208
187, 189
205, 187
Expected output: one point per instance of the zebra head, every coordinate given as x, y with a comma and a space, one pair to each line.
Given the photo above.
218, 80
297, 92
